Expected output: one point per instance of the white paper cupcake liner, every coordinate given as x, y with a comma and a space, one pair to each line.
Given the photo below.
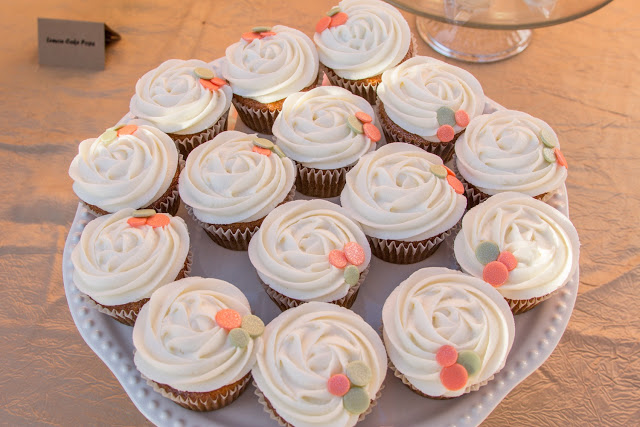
235, 239
128, 317
323, 183
399, 252
367, 91
284, 302
277, 418
186, 143
260, 121
209, 403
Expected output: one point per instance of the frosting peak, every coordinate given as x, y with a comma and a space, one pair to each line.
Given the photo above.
375, 38
179, 343
543, 241
438, 307
312, 128
128, 171
414, 91
503, 151
291, 249
302, 349
393, 194
172, 98
115, 263
226, 181
271, 68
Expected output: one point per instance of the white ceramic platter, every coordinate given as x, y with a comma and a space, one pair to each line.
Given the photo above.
537, 334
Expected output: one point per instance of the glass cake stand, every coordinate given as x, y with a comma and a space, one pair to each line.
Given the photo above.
489, 30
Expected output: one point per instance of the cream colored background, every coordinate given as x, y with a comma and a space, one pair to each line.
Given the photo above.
582, 77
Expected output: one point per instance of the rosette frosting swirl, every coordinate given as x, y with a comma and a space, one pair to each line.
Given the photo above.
375, 38
436, 307
544, 242
413, 92
271, 68
302, 348
291, 249
502, 151
115, 263
179, 343
393, 194
172, 98
130, 171
224, 181
312, 128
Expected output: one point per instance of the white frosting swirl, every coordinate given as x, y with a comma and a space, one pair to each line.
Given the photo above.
302, 348
375, 38
172, 99
502, 151
179, 343
436, 306
393, 194
291, 249
131, 171
225, 182
115, 263
542, 239
272, 68
413, 92
312, 128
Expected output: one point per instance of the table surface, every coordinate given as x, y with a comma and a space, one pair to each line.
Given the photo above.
581, 77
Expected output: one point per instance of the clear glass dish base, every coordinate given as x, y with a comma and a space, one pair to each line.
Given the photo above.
472, 44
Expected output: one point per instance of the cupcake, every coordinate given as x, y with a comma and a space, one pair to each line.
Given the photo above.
196, 342
264, 67
325, 131
509, 151
310, 251
406, 200
127, 167
123, 257
319, 365
446, 333
359, 40
428, 103
185, 99
522, 246
231, 183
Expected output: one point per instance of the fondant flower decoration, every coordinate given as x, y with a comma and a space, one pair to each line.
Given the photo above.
350, 386
361, 123
550, 151
265, 147
497, 265
112, 133
333, 18
447, 118
456, 367
148, 217
441, 171
259, 33
208, 79
352, 253
241, 329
